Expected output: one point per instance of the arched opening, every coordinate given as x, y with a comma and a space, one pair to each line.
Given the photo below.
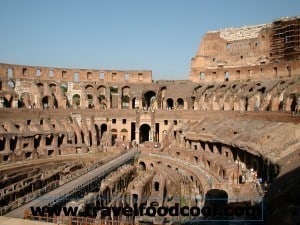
148, 99
216, 197
114, 97
76, 100
145, 133
125, 97
135, 103
114, 136
97, 134
49, 139
246, 104
89, 87
7, 102
125, 102
142, 166
36, 142
180, 103
2, 143
13, 143
156, 186
64, 88
294, 103
102, 101
21, 104
45, 102
103, 129
90, 101
135, 198
170, 103
52, 87
281, 109
60, 140
124, 134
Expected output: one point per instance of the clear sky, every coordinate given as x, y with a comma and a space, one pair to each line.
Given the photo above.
157, 35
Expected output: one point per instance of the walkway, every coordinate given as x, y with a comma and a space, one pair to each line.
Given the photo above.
75, 185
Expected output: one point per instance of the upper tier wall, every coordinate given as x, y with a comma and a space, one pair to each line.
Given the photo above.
62, 74
253, 52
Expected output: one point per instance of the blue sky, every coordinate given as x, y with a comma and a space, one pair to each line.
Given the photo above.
158, 35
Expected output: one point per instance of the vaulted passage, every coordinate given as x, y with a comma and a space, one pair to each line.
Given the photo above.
149, 98
145, 133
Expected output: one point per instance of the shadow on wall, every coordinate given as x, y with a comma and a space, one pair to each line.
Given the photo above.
283, 200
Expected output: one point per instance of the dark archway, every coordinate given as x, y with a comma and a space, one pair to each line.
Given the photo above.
180, 103
90, 101
148, 98
45, 102
76, 100
216, 197
142, 165
98, 138
170, 103
135, 103
294, 102
144, 133
103, 129
7, 102
114, 136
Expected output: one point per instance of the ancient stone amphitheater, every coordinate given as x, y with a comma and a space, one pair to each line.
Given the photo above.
232, 127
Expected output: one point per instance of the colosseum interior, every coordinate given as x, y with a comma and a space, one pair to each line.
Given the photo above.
232, 127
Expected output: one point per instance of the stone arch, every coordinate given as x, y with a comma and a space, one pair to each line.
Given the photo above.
142, 165
101, 90
217, 197
148, 98
125, 100
76, 100
45, 102
90, 101
103, 128
145, 133
23, 102
114, 135
40, 84
52, 87
293, 103
124, 134
102, 101
89, 87
7, 102
170, 103
13, 143
135, 103
98, 137
180, 103
36, 141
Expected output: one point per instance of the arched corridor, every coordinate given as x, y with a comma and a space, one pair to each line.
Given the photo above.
145, 133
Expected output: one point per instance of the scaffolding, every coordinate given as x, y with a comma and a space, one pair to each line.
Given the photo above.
285, 39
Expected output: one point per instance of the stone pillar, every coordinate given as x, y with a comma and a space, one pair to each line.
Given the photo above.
43, 141
7, 145
1, 102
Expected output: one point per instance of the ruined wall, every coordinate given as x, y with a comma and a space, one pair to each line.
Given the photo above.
77, 75
248, 53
